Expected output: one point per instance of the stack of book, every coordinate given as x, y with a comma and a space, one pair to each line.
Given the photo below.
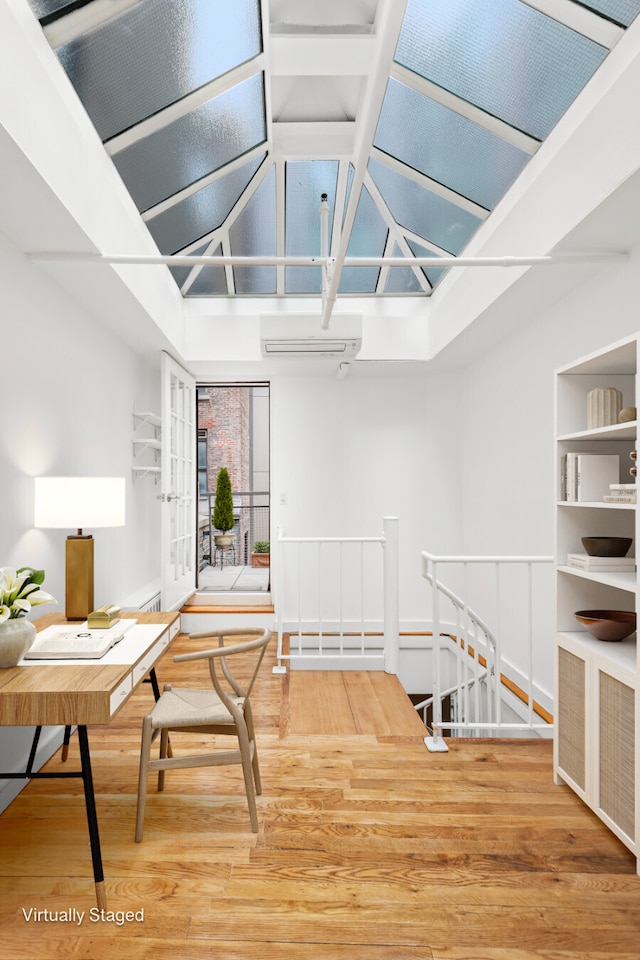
582, 561
621, 493
589, 476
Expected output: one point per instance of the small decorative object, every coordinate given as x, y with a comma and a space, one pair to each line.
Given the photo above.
627, 414
19, 591
261, 556
603, 407
608, 624
223, 519
607, 546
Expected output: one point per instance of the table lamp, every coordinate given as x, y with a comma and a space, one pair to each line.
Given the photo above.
77, 502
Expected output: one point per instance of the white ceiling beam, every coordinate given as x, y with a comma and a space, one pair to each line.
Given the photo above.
73, 25
323, 55
266, 67
319, 140
341, 197
389, 17
395, 234
280, 223
221, 233
465, 109
180, 260
581, 19
162, 119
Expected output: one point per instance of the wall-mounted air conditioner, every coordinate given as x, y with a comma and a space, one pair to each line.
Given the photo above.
300, 335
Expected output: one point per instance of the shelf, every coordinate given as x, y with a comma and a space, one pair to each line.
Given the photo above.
597, 746
621, 653
148, 442
141, 471
596, 505
618, 431
620, 579
149, 423
147, 417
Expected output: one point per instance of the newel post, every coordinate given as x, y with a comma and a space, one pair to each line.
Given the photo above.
391, 594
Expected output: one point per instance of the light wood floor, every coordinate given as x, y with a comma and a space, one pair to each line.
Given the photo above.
370, 848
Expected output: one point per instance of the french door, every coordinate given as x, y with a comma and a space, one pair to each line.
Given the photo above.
178, 485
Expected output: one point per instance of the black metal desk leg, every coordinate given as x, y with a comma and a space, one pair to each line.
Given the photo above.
92, 819
153, 680
65, 743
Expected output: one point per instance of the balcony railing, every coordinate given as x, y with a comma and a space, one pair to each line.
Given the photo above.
251, 514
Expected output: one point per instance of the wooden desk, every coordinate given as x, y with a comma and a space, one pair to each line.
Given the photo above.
79, 693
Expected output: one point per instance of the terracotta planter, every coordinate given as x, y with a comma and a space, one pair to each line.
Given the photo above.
16, 636
260, 559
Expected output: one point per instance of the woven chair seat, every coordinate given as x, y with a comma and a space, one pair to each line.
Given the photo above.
180, 707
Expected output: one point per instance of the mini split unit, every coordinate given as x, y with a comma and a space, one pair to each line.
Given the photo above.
301, 335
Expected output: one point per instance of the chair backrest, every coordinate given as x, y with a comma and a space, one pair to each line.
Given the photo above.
223, 652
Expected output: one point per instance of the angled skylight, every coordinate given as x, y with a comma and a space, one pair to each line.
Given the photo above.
227, 131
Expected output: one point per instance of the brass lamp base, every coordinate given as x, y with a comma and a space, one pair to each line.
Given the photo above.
79, 577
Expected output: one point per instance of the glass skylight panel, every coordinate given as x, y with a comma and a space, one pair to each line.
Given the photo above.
202, 212
368, 239
507, 58
402, 279
447, 147
194, 145
155, 53
432, 274
305, 182
622, 12
180, 274
210, 282
422, 211
254, 235
44, 8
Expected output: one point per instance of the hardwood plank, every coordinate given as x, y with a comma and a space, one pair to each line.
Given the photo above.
369, 847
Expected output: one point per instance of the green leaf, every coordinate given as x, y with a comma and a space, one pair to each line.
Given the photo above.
36, 576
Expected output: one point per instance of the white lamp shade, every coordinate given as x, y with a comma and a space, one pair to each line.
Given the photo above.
76, 502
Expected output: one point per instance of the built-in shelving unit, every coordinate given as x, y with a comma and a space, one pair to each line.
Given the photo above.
147, 445
597, 749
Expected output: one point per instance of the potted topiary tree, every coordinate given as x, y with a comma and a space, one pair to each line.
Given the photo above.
260, 556
223, 519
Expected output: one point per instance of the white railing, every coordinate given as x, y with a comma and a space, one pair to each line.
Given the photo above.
337, 600
469, 662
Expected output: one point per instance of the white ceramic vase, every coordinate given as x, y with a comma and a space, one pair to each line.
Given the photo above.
16, 636
603, 407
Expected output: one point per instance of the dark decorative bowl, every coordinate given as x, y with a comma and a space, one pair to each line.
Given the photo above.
608, 624
607, 546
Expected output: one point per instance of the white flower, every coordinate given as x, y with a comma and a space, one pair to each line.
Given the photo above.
20, 590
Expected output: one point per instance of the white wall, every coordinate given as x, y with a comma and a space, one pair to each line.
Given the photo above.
67, 394
347, 453
508, 415
508, 412
67, 391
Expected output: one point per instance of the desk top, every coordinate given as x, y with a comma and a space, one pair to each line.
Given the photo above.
81, 692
